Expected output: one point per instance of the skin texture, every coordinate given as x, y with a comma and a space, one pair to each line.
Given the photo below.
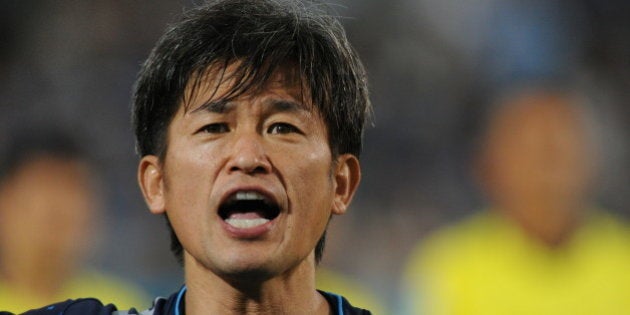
54, 195
536, 164
269, 142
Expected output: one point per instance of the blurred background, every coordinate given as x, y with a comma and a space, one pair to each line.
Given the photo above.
437, 70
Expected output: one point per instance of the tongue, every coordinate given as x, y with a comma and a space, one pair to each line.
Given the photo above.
245, 215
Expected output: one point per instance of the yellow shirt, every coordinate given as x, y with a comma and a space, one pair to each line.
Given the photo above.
89, 284
486, 265
357, 294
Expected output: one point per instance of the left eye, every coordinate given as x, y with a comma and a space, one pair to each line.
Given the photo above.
282, 128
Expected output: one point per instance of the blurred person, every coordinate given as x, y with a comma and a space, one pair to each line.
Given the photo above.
332, 280
49, 203
248, 117
334, 276
542, 247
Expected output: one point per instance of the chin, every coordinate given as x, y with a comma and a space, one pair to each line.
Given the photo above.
247, 273
242, 260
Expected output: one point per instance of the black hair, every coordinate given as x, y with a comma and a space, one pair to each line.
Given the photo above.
259, 37
28, 144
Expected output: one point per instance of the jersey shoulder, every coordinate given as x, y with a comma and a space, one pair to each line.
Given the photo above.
341, 306
89, 306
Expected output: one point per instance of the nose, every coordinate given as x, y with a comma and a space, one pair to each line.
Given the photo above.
249, 156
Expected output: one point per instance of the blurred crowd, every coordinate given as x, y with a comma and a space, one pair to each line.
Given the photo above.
489, 115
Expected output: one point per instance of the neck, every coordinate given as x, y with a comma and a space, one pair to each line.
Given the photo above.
33, 279
292, 292
553, 228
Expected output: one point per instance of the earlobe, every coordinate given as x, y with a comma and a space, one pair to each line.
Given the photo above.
152, 183
347, 178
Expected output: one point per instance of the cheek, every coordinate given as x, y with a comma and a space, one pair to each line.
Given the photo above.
313, 183
187, 188
188, 171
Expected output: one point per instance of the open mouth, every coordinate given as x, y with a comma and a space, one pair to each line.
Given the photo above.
248, 209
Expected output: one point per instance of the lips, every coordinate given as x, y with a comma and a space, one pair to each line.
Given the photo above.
248, 210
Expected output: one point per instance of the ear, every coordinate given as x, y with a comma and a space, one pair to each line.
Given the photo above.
347, 177
151, 180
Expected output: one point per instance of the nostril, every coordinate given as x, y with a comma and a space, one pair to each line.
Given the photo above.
260, 170
252, 170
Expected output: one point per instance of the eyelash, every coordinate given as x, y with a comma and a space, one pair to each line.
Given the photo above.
285, 128
291, 128
215, 128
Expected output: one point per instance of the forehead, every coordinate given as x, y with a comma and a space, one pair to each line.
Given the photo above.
219, 83
539, 113
533, 126
44, 166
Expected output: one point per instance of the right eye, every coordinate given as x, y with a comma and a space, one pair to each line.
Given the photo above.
215, 128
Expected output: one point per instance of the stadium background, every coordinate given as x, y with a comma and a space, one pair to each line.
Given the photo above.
434, 65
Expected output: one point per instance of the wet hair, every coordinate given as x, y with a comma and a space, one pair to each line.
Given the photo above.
259, 38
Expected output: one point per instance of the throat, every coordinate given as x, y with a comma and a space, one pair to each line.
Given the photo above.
291, 292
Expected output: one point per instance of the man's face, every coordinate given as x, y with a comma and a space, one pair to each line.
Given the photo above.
46, 211
248, 185
537, 158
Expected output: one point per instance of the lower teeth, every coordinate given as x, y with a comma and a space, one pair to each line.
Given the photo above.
246, 223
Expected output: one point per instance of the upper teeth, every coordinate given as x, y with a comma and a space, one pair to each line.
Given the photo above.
249, 195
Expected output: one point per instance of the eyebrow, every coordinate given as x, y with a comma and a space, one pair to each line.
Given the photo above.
285, 106
218, 106
276, 105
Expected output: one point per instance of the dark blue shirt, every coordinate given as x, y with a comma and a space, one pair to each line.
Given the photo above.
173, 305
